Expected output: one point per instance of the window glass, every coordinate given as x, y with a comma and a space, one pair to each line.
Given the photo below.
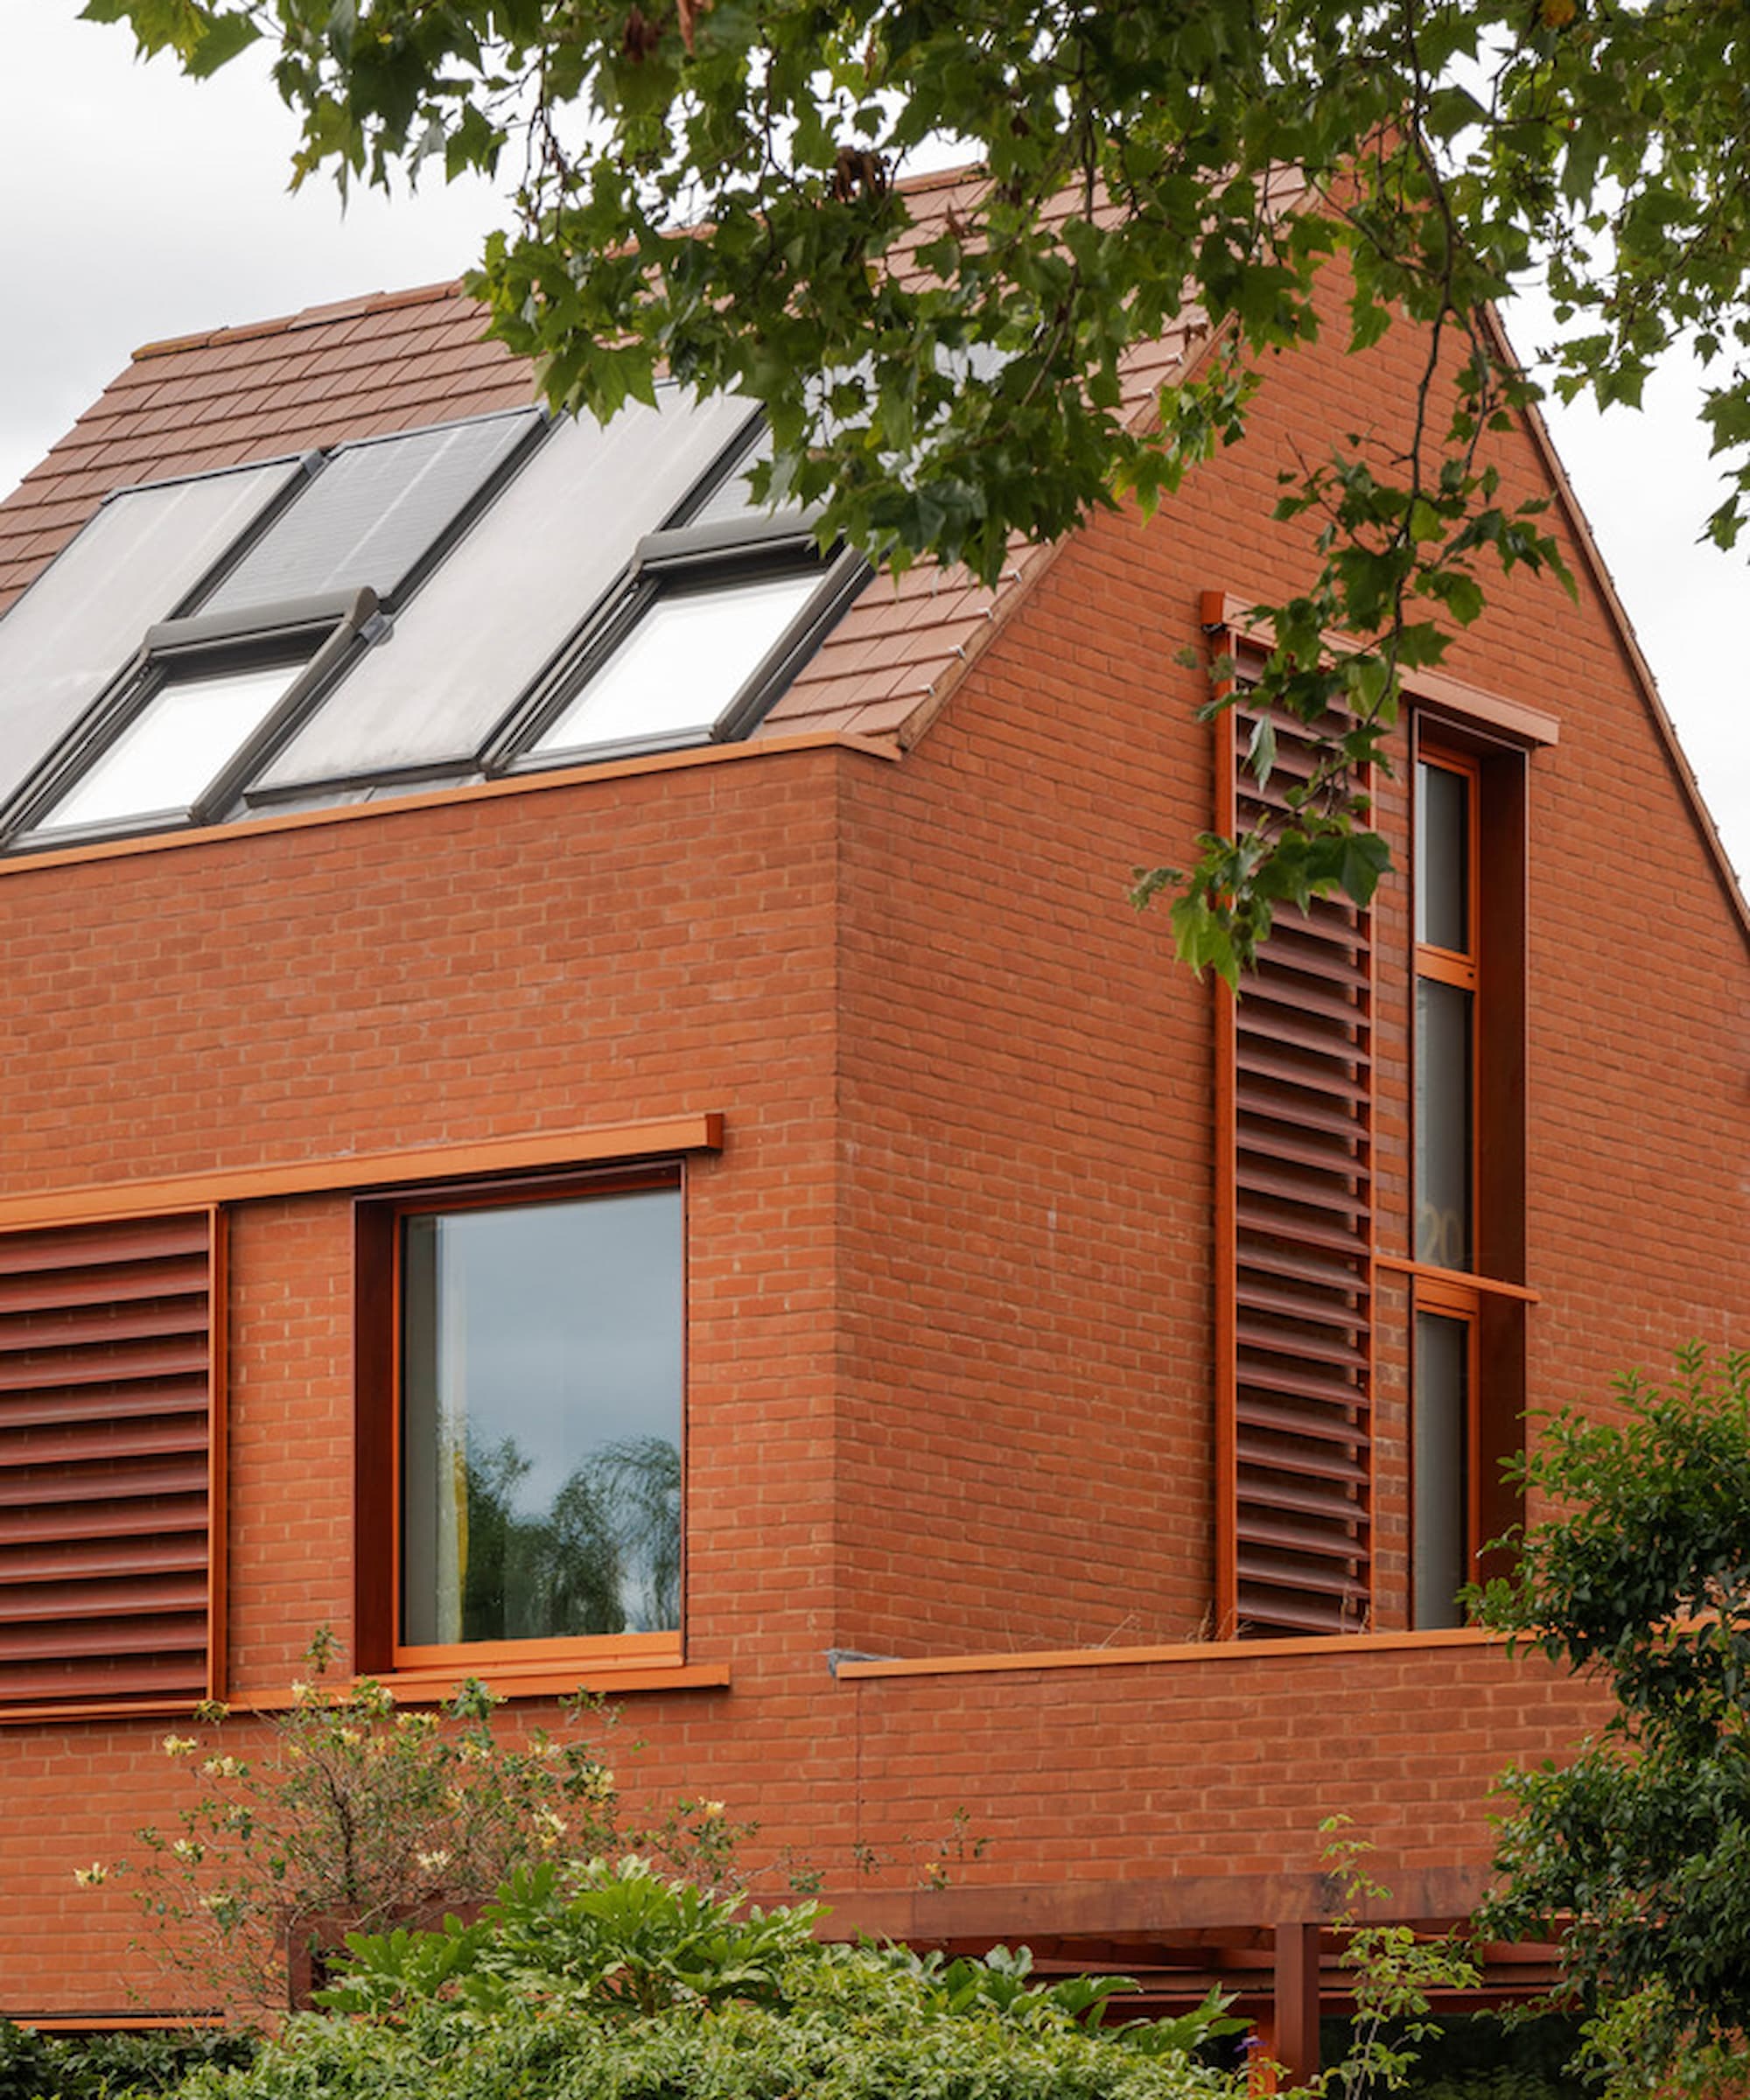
83, 619
1443, 857
682, 664
731, 498
175, 748
370, 515
1443, 1123
541, 1420
1439, 1515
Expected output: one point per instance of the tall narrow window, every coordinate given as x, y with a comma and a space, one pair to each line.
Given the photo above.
1443, 1464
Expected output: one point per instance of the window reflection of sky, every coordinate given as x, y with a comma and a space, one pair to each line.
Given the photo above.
563, 1321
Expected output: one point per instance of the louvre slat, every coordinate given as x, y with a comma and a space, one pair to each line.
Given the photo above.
1330, 1501
160, 1437
1310, 1303
78, 1639
1260, 1455
177, 1315
1328, 1543
177, 1276
1269, 1137
129, 1240
1255, 1057
106, 1371
1260, 1565
1275, 1341
113, 1361
104, 1404
150, 1515
1291, 1185
164, 1593
81, 1561
1325, 1415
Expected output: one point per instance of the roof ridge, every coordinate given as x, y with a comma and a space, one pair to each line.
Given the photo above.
306, 317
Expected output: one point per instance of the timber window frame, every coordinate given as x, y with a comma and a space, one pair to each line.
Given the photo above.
112, 1464
1466, 1270
393, 1312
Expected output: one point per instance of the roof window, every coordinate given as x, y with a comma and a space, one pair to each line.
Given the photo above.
442, 604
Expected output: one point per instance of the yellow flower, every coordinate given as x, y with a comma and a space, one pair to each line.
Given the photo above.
711, 1811
180, 1746
92, 1876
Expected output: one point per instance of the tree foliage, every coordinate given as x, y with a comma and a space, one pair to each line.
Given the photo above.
1641, 1575
939, 391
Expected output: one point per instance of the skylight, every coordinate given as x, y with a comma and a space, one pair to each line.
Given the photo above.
681, 665
441, 603
161, 763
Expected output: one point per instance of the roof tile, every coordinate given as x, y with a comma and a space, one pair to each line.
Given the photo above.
383, 363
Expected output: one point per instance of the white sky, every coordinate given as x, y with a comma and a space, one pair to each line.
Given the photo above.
135, 205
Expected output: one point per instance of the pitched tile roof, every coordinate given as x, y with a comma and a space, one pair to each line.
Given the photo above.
395, 361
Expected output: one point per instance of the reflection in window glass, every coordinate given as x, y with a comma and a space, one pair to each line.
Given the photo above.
541, 1420
682, 664
1443, 1123
162, 762
731, 498
1439, 1515
1443, 857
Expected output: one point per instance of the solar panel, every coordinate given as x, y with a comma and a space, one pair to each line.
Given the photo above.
511, 593
371, 514
83, 618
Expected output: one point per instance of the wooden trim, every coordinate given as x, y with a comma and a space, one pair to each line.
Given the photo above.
95, 1203
430, 1687
476, 1658
119, 2023
1142, 1909
1469, 706
1457, 1279
1226, 1462
446, 798
1329, 1646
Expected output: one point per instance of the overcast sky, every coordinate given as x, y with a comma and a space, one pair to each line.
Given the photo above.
135, 205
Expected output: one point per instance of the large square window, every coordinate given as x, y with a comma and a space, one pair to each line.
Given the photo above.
538, 1420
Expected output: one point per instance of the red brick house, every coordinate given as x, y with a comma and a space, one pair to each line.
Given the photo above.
477, 901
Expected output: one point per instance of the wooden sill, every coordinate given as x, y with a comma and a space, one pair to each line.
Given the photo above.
1332, 1646
546, 1680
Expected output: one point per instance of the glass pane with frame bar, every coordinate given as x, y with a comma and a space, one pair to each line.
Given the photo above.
541, 1419
1440, 1486
682, 663
175, 746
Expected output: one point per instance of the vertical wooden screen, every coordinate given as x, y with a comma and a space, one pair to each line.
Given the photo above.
111, 1461
1295, 1258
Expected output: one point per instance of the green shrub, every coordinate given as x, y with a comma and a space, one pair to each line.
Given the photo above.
111, 2067
592, 1982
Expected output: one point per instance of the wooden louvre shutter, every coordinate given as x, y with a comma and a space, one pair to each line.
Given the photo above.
1294, 1354
109, 1458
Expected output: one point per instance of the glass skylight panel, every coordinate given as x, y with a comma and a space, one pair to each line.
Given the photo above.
731, 498
506, 599
84, 617
682, 664
174, 749
371, 514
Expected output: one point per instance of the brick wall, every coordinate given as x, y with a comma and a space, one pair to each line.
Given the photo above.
950, 1377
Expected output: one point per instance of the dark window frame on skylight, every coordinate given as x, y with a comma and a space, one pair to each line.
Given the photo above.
689, 560
313, 638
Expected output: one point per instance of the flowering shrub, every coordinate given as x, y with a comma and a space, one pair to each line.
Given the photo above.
356, 1812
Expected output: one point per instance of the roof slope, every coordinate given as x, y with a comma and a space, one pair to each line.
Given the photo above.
367, 367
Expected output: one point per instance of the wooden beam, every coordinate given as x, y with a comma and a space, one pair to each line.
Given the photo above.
1140, 1910
1297, 2002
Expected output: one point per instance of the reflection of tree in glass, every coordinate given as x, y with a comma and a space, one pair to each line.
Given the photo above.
641, 1479
605, 1558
